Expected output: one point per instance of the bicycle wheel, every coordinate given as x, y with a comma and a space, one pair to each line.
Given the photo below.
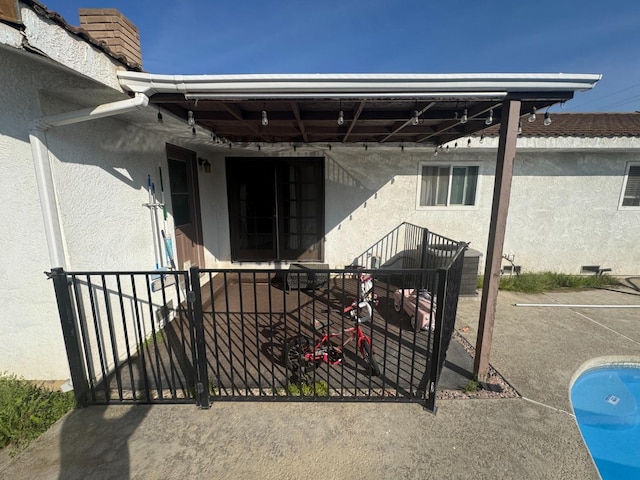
367, 354
294, 355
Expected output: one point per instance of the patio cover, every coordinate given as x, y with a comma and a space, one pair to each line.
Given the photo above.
377, 108
412, 109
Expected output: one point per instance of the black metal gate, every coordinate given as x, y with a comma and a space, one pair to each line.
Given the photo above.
214, 335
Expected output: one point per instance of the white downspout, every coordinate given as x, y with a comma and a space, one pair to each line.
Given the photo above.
42, 164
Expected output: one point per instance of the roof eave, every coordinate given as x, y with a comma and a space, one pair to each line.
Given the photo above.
355, 85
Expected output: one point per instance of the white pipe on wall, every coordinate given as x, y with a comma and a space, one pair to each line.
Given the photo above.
42, 165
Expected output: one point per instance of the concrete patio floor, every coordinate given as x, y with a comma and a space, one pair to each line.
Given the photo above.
537, 349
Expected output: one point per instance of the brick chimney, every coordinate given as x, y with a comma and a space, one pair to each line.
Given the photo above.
108, 25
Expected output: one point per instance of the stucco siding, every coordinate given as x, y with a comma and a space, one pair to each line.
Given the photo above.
30, 336
564, 212
563, 208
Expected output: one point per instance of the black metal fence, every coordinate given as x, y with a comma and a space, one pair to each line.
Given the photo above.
213, 335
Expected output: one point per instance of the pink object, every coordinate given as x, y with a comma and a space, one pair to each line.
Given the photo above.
405, 299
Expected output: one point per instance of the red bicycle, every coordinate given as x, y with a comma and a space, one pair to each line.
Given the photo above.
302, 356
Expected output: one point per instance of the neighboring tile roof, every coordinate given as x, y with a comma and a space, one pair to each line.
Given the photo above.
43, 11
578, 125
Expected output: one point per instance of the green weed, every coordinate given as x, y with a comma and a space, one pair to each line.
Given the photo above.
319, 389
546, 281
27, 411
470, 387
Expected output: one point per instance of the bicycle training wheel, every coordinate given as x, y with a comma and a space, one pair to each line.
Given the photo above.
294, 355
367, 354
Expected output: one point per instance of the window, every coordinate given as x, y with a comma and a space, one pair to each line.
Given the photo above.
444, 185
631, 195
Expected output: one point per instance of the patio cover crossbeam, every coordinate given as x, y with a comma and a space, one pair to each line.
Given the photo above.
408, 122
296, 113
356, 116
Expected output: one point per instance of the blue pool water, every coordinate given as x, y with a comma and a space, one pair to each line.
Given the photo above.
605, 401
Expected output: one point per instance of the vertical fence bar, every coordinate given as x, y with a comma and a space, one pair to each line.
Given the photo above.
112, 336
98, 331
126, 337
216, 354
434, 361
77, 293
202, 384
141, 339
154, 340
70, 333
243, 339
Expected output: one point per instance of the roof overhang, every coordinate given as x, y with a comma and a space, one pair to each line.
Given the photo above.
376, 108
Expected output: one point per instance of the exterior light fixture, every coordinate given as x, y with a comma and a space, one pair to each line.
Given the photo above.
469, 143
532, 115
415, 120
265, 119
193, 131
547, 119
519, 128
340, 118
455, 145
160, 120
465, 117
482, 137
206, 164
190, 120
489, 119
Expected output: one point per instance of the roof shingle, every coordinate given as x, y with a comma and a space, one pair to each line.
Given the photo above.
578, 125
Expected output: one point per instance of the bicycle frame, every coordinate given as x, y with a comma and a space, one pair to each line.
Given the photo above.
303, 354
323, 347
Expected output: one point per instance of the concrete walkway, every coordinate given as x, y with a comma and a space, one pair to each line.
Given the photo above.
537, 349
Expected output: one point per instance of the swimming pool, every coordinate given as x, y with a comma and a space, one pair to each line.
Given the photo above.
605, 401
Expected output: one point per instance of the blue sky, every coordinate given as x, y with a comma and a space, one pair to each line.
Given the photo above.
402, 36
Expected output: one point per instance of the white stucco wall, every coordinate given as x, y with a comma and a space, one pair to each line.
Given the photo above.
563, 210
100, 173
30, 339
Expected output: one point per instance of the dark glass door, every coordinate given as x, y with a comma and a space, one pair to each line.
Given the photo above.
276, 208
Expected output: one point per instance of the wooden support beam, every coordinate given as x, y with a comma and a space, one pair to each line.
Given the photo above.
499, 210
296, 113
356, 116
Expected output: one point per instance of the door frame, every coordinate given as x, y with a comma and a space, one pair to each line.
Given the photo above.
175, 152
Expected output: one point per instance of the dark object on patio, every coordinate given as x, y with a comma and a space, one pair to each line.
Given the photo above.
306, 277
594, 269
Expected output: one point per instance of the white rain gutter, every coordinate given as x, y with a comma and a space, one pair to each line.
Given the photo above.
354, 85
42, 164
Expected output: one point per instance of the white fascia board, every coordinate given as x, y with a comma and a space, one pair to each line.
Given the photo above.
361, 85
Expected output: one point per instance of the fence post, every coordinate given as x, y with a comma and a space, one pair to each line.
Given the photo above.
423, 249
434, 361
202, 378
71, 336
